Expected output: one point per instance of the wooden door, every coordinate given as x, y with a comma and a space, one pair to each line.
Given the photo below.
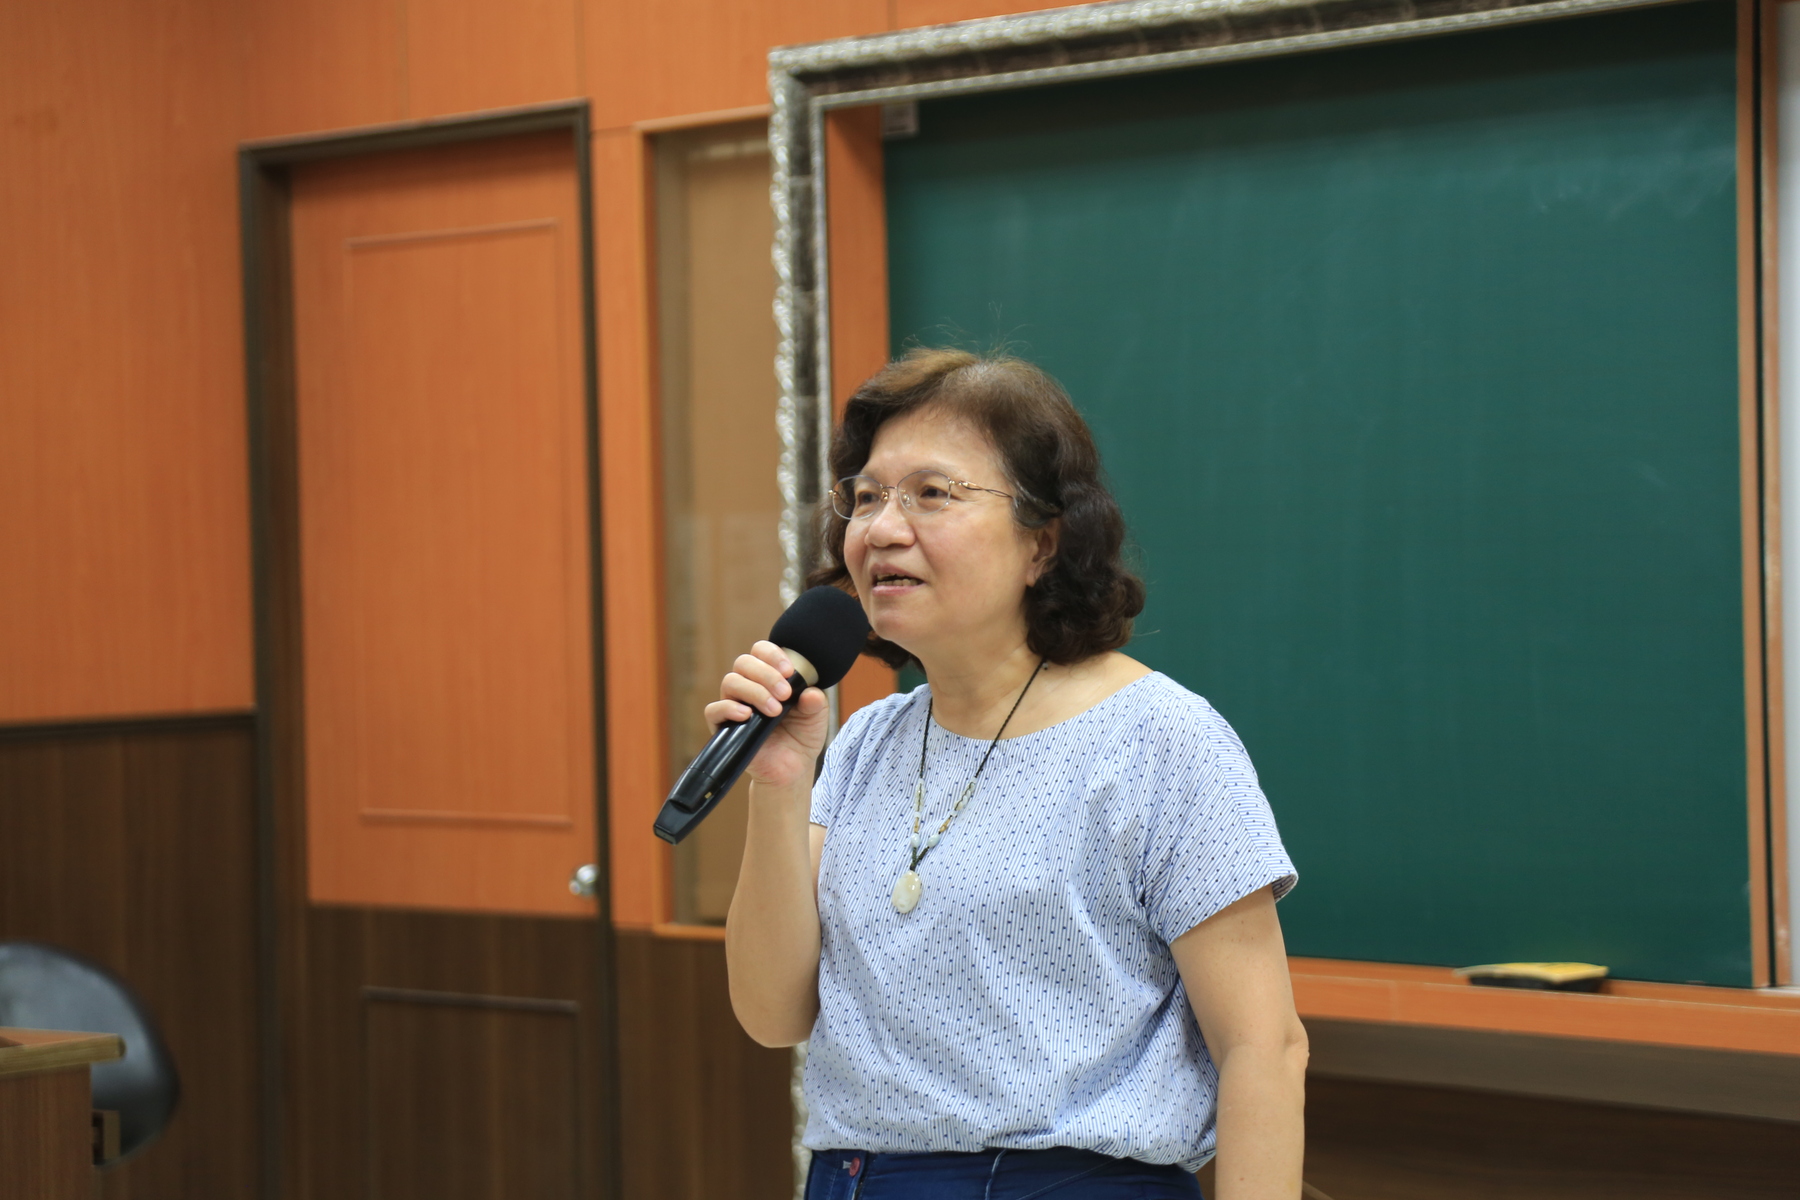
444, 570
447, 1034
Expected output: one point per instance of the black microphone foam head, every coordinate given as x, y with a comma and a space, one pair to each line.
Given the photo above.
828, 626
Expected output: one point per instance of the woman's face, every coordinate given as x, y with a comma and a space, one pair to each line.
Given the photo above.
936, 582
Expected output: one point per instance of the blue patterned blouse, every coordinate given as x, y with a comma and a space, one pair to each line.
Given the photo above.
1030, 1000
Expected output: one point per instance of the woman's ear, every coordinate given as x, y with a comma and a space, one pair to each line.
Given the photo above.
1044, 551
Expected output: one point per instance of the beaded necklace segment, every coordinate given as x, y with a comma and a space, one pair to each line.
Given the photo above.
909, 887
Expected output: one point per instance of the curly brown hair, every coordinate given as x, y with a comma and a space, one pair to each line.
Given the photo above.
1084, 603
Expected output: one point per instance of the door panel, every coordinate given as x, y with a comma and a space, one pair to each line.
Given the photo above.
448, 1074
450, 1055
448, 689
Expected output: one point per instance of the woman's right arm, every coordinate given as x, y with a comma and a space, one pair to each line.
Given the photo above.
772, 929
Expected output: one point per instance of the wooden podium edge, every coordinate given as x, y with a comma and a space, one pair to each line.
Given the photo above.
36, 1051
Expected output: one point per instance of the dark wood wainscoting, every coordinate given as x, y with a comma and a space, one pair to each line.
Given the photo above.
135, 846
704, 1111
1383, 1141
447, 1056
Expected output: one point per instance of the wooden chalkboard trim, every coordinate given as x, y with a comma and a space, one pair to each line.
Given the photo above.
1750, 488
1768, 350
1760, 1020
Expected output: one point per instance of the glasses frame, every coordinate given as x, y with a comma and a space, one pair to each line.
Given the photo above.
900, 488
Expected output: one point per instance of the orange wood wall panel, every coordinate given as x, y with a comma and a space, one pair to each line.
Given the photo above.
691, 56
464, 55
631, 537
312, 65
909, 14
868, 681
124, 524
856, 216
444, 537
122, 475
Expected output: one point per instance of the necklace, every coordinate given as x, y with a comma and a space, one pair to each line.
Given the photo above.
909, 887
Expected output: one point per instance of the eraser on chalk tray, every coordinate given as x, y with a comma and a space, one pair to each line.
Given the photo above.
1546, 976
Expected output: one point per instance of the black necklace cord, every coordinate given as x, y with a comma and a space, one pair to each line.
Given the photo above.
918, 855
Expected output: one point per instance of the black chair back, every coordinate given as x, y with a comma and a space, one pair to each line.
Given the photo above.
42, 987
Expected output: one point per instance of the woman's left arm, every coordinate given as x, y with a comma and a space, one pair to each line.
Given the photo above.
1235, 967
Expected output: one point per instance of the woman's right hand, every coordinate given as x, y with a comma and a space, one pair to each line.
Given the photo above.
772, 929
758, 683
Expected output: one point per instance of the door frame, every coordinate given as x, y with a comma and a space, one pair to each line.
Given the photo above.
264, 168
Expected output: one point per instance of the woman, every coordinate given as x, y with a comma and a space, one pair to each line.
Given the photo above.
1026, 914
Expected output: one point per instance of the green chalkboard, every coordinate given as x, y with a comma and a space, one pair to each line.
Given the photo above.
1414, 367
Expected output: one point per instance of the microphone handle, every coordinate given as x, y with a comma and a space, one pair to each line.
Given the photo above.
717, 767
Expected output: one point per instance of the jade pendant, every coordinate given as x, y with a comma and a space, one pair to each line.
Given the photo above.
907, 890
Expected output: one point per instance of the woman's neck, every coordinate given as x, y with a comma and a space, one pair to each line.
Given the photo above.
972, 691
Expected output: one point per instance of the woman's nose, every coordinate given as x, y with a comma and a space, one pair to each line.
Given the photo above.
890, 525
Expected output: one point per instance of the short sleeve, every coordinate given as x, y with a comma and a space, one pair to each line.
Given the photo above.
1212, 837
839, 766
828, 788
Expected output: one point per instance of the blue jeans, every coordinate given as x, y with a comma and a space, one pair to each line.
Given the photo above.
1060, 1174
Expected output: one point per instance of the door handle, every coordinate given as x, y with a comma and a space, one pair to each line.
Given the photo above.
585, 879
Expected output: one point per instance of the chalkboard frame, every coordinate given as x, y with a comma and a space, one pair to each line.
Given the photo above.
809, 83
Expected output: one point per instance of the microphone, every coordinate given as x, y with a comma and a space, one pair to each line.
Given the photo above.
822, 633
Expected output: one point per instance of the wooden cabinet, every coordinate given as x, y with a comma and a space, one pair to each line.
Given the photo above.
46, 1113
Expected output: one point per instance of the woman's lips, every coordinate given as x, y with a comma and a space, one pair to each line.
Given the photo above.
893, 583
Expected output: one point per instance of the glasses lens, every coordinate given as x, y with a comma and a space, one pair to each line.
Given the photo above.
857, 496
925, 491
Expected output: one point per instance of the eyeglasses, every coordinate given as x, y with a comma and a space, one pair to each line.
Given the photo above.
859, 497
